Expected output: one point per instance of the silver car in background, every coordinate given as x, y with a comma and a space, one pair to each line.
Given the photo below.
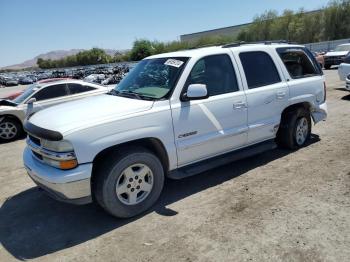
41, 95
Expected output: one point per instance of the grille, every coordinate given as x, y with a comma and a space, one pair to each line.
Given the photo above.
37, 155
34, 140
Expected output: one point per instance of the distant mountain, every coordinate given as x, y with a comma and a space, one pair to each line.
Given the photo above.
53, 55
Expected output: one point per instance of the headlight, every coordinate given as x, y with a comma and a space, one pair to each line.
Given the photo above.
57, 146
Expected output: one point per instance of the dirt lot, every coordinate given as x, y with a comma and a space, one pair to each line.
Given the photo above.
277, 206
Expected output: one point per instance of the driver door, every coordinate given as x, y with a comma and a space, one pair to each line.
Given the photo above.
208, 127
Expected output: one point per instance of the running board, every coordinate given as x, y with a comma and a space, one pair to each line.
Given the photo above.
224, 159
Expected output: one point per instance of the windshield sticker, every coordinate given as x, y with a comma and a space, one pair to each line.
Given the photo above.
173, 62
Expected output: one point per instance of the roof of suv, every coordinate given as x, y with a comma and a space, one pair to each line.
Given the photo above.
216, 49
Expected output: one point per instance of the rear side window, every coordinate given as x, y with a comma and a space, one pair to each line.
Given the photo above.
77, 88
50, 92
259, 69
299, 62
216, 72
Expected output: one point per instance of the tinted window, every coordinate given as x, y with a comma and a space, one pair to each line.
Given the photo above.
299, 62
216, 72
259, 69
77, 88
51, 92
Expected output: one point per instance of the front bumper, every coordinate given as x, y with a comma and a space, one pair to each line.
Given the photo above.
72, 186
319, 113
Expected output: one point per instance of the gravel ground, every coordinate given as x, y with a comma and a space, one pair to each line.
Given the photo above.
277, 206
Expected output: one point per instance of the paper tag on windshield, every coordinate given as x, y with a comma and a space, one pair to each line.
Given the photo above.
173, 62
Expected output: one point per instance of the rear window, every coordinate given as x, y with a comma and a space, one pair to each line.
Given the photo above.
299, 62
259, 69
77, 88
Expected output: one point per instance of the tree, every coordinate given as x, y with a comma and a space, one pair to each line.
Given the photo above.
141, 49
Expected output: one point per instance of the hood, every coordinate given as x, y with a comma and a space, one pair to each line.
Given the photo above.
4, 103
87, 112
339, 53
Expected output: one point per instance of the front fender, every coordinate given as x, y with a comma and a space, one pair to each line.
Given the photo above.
90, 142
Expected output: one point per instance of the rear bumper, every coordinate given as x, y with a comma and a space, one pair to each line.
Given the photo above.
72, 186
319, 113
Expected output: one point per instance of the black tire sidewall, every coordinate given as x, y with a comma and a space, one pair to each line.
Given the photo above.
110, 200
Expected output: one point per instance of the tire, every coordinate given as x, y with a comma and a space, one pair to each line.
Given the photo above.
113, 189
10, 130
327, 66
295, 129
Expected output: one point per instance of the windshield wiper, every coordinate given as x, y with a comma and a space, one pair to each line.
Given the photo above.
129, 93
113, 92
135, 94
132, 93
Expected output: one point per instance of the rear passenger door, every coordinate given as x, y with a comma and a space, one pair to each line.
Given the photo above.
267, 93
304, 75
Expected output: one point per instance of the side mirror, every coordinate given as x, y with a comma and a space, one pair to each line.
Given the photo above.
30, 106
31, 101
195, 92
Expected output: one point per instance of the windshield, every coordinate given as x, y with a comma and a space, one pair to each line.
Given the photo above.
27, 92
342, 48
152, 78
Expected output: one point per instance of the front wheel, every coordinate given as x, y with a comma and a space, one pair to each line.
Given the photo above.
10, 129
127, 184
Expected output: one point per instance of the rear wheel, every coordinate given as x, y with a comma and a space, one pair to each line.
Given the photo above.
127, 184
10, 129
295, 129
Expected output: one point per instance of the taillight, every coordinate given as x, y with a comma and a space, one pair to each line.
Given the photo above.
324, 91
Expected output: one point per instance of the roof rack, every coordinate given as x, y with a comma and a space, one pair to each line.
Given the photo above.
203, 46
235, 44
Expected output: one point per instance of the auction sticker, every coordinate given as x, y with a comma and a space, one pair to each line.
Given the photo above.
173, 62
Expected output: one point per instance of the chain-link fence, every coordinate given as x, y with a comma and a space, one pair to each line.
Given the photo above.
326, 45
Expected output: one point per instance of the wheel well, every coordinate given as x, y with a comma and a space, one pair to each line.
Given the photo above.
13, 118
152, 144
293, 107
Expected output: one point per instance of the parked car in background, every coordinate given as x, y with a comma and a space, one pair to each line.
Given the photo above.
343, 71
13, 112
337, 56
347, 83
25, 80
175, 115
12, 95
8, 81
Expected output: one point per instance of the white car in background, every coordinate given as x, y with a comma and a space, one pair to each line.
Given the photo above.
41, 95
336, 56
344, 68
347, 85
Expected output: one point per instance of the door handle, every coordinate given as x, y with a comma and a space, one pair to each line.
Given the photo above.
239, 105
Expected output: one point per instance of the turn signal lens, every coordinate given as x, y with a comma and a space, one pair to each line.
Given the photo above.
68, 164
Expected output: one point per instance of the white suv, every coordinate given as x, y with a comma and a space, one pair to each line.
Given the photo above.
176, 115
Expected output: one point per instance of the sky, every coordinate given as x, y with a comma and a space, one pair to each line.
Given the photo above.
29, 28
